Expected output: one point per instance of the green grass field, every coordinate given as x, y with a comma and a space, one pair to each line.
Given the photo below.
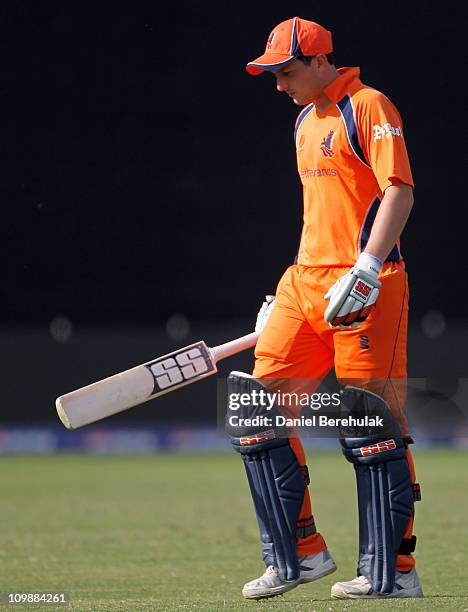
177, 532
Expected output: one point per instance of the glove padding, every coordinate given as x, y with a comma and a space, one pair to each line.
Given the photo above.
352, 298
264, 313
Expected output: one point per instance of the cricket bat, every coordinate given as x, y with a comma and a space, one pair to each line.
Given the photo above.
146, 381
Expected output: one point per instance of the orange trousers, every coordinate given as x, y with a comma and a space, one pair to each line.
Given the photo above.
298, 344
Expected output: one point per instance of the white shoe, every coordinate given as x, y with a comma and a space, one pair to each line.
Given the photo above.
312, 567
406, 585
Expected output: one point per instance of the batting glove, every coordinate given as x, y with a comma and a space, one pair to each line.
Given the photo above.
353, 295
264, 313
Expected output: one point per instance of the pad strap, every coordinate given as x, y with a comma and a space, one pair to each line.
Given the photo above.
305, 527
416, 491
407, 546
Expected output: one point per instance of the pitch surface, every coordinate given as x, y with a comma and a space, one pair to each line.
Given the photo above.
177, 532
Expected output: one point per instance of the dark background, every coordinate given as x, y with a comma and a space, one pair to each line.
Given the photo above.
143, 173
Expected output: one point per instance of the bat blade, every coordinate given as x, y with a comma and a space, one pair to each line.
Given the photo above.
135, 386
144, 382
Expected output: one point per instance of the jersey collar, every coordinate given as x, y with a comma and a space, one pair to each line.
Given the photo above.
337, 88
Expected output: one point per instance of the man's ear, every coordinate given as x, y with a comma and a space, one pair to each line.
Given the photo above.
321, 60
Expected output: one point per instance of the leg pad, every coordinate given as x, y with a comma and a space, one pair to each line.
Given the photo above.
384, 485
276, 480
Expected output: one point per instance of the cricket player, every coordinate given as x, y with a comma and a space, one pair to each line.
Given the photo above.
343, 304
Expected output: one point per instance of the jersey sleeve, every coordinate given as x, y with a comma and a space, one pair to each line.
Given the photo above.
382, 140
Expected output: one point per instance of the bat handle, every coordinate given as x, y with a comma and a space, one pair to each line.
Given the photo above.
234, 346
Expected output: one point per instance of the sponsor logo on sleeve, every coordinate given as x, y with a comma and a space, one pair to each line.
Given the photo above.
386, 131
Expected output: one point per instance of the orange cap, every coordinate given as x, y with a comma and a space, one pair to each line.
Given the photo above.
289, 40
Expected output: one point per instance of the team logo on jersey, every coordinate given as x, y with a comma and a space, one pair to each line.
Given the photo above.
326, 145
386, 130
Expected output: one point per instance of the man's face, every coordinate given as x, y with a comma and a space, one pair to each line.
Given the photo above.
301, 82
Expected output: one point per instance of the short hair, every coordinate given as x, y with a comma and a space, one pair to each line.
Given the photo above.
306, 59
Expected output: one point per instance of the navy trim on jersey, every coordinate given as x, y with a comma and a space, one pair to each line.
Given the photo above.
394, 254
302, 115
345, 107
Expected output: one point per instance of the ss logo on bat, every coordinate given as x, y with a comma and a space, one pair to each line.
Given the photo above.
180, 367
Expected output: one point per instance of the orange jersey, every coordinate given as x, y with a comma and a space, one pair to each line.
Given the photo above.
347, 156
